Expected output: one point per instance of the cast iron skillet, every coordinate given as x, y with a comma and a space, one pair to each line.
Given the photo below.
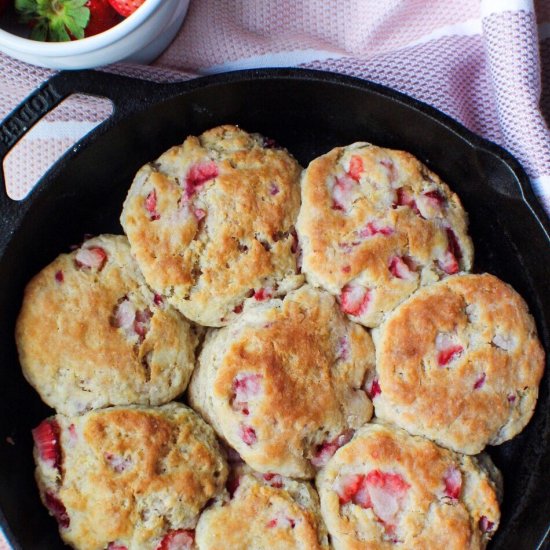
308, 112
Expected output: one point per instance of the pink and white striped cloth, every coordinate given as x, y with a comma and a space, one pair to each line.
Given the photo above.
484, 62
479, 61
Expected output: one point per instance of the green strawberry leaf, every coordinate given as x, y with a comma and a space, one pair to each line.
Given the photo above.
54, 20
58, 32
40, 31
27, 9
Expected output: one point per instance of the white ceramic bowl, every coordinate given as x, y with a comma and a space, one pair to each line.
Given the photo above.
139, 38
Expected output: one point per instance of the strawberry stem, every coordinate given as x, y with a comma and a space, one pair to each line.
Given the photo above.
54, 20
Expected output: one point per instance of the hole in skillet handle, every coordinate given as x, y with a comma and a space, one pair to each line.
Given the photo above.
13, 128
50, 138
126, 94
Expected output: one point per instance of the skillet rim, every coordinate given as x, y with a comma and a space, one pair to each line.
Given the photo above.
72, 81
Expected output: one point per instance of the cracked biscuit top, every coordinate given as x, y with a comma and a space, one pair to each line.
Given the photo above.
264, 512
131, 478
211, 223
459, 362
388, 489
91, 333
375, 224
285, 384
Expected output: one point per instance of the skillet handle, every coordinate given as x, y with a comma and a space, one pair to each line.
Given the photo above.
127, 95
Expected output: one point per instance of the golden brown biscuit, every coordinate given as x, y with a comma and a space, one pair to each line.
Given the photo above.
460, 363
128, 477
283, 385
91, 333
375, 224
265, 512
211, 223
388, 489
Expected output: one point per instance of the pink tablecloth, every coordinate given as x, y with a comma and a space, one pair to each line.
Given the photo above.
479, 61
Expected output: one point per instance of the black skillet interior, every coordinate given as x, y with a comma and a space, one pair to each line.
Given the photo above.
309, 113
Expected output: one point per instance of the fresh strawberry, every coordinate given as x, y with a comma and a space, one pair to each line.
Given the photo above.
198, 175
445, 356
178, 539
245, 387
151, 205
384, 492
348, 486
448, 348
46, 439
102, 17
199, 214
124, 314
355, 168
485, 525
448, 263
430, 203
405, 198
375, 228
454, 246
435, 196
373, 388
263, 294
402, 267
453, 482
480, 381
91, 258
274, 480
284, 522
142, 322
248, 434
342, 192
126, 7
57, 509
324, 451
354, 299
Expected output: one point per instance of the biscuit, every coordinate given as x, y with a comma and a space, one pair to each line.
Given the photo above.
283, 385
264, 512
459, 362
91, 333
211, 223
375, 225
128, 477
388, 488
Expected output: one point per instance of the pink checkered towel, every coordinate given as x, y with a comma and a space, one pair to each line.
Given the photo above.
478, 61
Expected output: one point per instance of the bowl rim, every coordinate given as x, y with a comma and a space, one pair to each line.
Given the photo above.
83, 45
